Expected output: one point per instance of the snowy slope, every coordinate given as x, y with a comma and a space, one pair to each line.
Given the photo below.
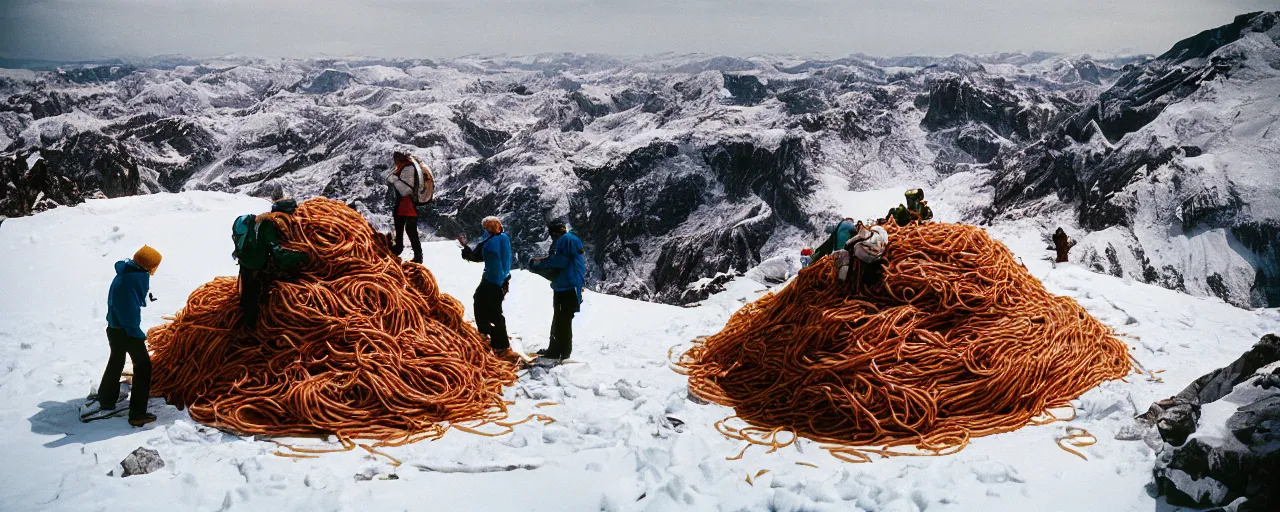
625, 438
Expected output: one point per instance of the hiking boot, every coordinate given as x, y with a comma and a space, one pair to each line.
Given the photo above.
138, 421
417, 259
508, 355
544, 353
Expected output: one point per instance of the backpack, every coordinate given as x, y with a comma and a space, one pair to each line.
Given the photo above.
828, 246
243, 232
424, 184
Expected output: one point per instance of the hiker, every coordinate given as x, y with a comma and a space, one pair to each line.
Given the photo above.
495, 252
257, 249
839, 234
1062, 244
125, 300
868, 246
412, 184
568, 266
916, 209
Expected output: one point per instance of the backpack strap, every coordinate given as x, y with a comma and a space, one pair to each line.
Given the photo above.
417, 178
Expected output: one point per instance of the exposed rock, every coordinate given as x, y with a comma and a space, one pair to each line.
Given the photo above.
39, 105
745, 89
803, 100
95, 74
979, 142
141, 461
587, 105
328, 81
66, 173
485, 141
1205, 470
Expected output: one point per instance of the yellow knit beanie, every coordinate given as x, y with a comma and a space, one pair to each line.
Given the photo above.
147, 258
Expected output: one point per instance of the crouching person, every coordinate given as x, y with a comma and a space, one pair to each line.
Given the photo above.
258, 250
568, 264
125, 300
495, 252
868, 246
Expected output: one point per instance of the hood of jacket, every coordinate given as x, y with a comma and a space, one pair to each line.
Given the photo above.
127, 265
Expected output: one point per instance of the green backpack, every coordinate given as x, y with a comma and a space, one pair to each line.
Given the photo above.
244, 233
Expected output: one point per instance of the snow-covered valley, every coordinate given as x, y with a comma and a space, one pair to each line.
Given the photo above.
625, 435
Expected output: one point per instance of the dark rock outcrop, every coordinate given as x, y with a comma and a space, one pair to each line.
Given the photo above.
486, 141
746, 90
186, 137
1207, 471
39, 105
1142, 93
66, 173
803, 100
328, 81
95, 74
779, 177
955, 101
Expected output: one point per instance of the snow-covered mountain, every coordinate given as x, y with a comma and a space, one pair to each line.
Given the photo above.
673, 168
626, 437
1174, 172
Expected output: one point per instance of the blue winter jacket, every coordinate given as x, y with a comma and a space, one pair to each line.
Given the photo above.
127, 297
496, 251
567, 256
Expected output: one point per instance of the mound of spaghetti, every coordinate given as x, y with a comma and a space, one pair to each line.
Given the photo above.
357, 344
956, 340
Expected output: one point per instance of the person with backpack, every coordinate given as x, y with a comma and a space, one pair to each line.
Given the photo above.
258, 250
840, 233
568, 267
916, 209
495, 252
1062, 244
125, 300
868, 246
412, 185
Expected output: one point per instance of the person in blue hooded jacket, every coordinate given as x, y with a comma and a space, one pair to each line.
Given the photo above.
125, 300
569, 265
495, 252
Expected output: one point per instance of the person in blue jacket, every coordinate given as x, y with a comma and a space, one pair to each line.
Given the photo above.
569, 266
125, 300
495, 252
839, 234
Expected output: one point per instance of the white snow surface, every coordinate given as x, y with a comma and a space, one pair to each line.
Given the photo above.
613, 445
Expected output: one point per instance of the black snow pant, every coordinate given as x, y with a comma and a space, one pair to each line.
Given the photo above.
565, 304
489, 319
410, 224
109, 389
251, 286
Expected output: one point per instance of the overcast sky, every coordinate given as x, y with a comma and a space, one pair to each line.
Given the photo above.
83, 29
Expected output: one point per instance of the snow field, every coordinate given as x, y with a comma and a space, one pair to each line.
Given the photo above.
626, 437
